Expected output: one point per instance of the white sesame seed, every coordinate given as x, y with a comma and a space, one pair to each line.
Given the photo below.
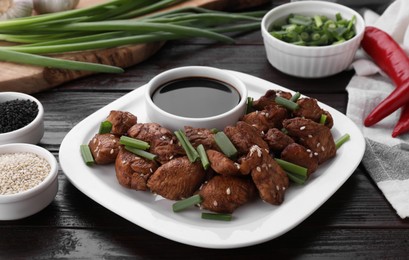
112, 151
302, 128
258, 169
323, 148
228, 191
309, 136
21, 171
316, 154
215, 203
277, 187
237, 166
318, 144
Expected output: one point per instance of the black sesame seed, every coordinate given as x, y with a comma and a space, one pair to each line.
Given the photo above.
15, 114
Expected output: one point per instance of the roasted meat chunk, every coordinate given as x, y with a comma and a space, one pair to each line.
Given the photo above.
298, 154
277, 140
250, 161
270, 179
221, 164
121, 121
309, 108
104, 148
162, 141
224, 194
177, 179
244, 136
269, 98
270, 117
202, 136
133, 171
313, 136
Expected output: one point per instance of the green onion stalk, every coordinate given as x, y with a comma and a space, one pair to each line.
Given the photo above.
113, 24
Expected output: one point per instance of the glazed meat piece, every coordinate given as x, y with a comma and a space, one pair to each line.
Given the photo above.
270, 117
244, 136
269, 98
277, 140
162, 141
202, 136
133, 171
313, 136
270, 179
221, 164
104, 148
309, 108
224, 194
250, 161
177, 179
121, 121
298, 154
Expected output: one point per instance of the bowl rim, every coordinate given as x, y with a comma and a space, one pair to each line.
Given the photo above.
33, 123
49, 179
195, 71
337, 8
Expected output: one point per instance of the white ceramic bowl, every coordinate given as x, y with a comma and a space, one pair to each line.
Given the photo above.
175, 122
311, 61
31, 133
31, 201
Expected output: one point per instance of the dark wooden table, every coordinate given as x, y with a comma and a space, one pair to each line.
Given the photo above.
356, 222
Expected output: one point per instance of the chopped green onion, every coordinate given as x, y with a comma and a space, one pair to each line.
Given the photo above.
225, 145
295, 97
186, 203
286, 103
296, 173
323, 119
187, 146
141, 153
203, 156
105, 127
217, 216
340, 141
87, 155
295, 178
249, 107
135, 143
315, 30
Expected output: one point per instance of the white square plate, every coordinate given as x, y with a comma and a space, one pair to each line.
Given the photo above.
253, 223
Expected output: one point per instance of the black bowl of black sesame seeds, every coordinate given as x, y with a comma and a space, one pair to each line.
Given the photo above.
21, 119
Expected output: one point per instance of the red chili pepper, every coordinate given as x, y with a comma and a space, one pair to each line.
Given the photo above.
392, 59
403, 124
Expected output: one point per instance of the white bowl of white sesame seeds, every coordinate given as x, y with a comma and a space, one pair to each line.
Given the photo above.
28, 180
21, 119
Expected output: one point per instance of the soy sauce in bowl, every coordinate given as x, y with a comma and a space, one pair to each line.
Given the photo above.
196, 97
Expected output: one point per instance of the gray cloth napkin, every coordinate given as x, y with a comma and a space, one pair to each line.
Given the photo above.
386, 158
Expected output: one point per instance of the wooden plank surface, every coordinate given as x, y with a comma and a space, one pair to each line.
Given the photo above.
32, 79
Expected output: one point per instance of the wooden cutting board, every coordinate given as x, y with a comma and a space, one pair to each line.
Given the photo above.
31, 79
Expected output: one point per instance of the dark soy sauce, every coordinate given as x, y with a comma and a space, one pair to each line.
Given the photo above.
196, 97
